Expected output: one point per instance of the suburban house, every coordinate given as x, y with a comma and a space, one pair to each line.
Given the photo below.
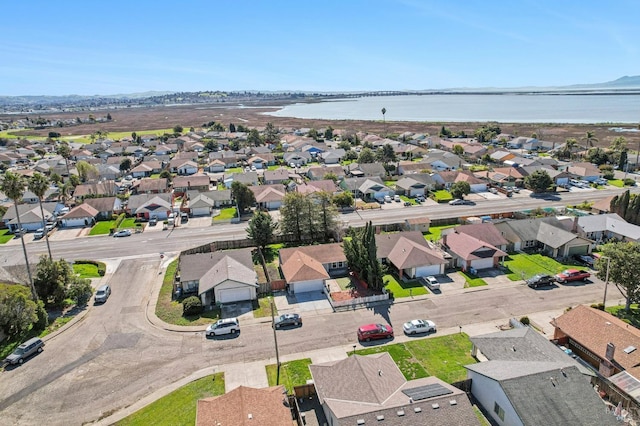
184, 167
245, 406
150, 186
30, 216
317, 186
366, 170
271, 177
368, 390
262, 161
215, 166
412, 167
470, 253
268, 197
602, 227
367, 189
306, 268
585, 171
106, 206
108, 171
442, 160
203, 203
420, 224
247, 178
319, 172
297, 158
145, 206
486, 232
80, 215
558, 242
415, 184
107, 188
410, 254
146, 169
182, 184
219, 277
332, 156
522, 234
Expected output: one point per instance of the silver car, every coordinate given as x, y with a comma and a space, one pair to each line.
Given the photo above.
25, 350
223, 326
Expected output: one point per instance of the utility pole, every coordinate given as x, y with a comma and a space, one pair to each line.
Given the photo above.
606, 284
275, 339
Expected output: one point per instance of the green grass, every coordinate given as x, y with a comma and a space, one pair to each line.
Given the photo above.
442, 196
104, 227
617, 182
226, 214
390, 183
170, 311
292, 373
406, 199
262, 308
522, 266
178, 407
86, 270
632, 317
443, 357
234, 170
436, 231
5, 236
404, 289
472, 281
344, 283
274, 167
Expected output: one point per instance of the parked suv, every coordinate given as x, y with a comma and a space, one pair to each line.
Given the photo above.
102, 294
540, 280
375, 331
223, 326
25, 350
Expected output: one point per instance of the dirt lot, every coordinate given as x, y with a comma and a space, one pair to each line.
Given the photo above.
141, 119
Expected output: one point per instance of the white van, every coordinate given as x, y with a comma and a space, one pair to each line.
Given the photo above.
171, 219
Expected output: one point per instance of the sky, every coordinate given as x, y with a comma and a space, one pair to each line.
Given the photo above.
115, 47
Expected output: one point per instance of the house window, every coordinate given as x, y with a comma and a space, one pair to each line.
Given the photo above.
499, 411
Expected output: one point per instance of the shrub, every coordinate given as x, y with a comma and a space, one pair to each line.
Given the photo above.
102, 267
191, 306
629, 182
119, 220
598, 306
525, 320
43, 317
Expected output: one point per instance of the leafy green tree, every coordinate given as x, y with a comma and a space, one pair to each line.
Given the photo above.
55, 178
17, 310
38, 184
52, 279
254, 138
261, 229
328, 133
567, 150
313, 133
244, 197
125, 165
86, 171
291, 215
622, 258
346, 145
166, 174
326, 212
178, 129
232, 128
242, 129
386, 154
79, 290
350, 155
460, 189
234, 144
362, 255
597, 156
487, 132
590, 138
211, 146
343, 199
458, 150
622, 162
271, 133
331, 176
538, 181
13, 185
444, 132
74, 180
618, 144
366, 156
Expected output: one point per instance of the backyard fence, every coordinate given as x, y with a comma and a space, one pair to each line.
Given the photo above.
356, 302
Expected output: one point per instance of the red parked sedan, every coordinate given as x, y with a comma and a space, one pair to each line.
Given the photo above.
375, 331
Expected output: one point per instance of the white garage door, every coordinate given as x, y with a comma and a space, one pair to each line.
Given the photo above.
424, 271
306, 286
482, 263
234, 295
201, 211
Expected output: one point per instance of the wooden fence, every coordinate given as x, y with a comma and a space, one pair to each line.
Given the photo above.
357, 302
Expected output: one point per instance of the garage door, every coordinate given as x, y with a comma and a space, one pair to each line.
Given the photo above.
578, 250
234, 295
482, 263
307, 286
425, 271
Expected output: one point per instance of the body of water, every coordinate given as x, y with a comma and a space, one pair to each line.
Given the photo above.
508, 108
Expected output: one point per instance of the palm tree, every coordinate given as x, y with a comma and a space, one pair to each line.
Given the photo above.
384, 111
38, 184
568, 147
590, 138
64, 150
13, 186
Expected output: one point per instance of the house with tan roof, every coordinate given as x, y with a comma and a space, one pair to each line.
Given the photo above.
368, 390
484, 231
245, 406
219, 277
319, 172
150, 186
585, 171
312, 186
420, 224
81, 215
469, 252
268, 197
106, 206
410, 254
106, 188
146, 169
411, 167
271, 177
413, 185
306, 268
182, 184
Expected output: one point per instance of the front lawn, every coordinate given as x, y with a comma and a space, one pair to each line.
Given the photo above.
292, 373
403, 289
443, 357
86, 270
617, 182
406, 199
170, 311
226, 214
104, 227
442, 196
522, 266
436, 231
5, 236
472, 280
632, 317
262, 307
178, 407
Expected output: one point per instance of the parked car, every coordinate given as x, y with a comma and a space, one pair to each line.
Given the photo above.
49, 227
25, 350
223, 326
431, 282
375, 331
20, 231
122, 233
387, 198
102, 294
459, 202
585, 259
153, 221
540, 280
184, 217
396, 198
287, 320
419, 326
407, 204
572, 275
38, 234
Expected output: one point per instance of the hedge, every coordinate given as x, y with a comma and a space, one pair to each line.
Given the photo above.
118, 221
102, 267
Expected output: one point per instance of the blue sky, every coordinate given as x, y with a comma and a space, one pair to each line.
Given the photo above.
111, 47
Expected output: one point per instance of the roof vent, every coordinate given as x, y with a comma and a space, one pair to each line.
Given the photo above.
417, 410
380, 418
400, 413
629, 349
360, 421
435, 406
250, 416
453, 402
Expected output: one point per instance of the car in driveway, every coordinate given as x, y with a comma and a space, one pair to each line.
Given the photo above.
223, 326
431, 282
417, 326
540, 280
25, 350
122, 233
285, 320
585, 259
38, 234
374, 332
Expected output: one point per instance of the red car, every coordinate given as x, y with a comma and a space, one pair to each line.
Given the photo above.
572, 275
375, 331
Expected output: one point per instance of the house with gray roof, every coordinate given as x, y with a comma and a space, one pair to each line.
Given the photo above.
368, 390
332, 156
276, 176
219, 277
558, 242
203, 203
247, 178
368, 189
414, 185
30, 216
522, 234
319, 172
296, 158
601, 227
536, 393
145, 206
366, 170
